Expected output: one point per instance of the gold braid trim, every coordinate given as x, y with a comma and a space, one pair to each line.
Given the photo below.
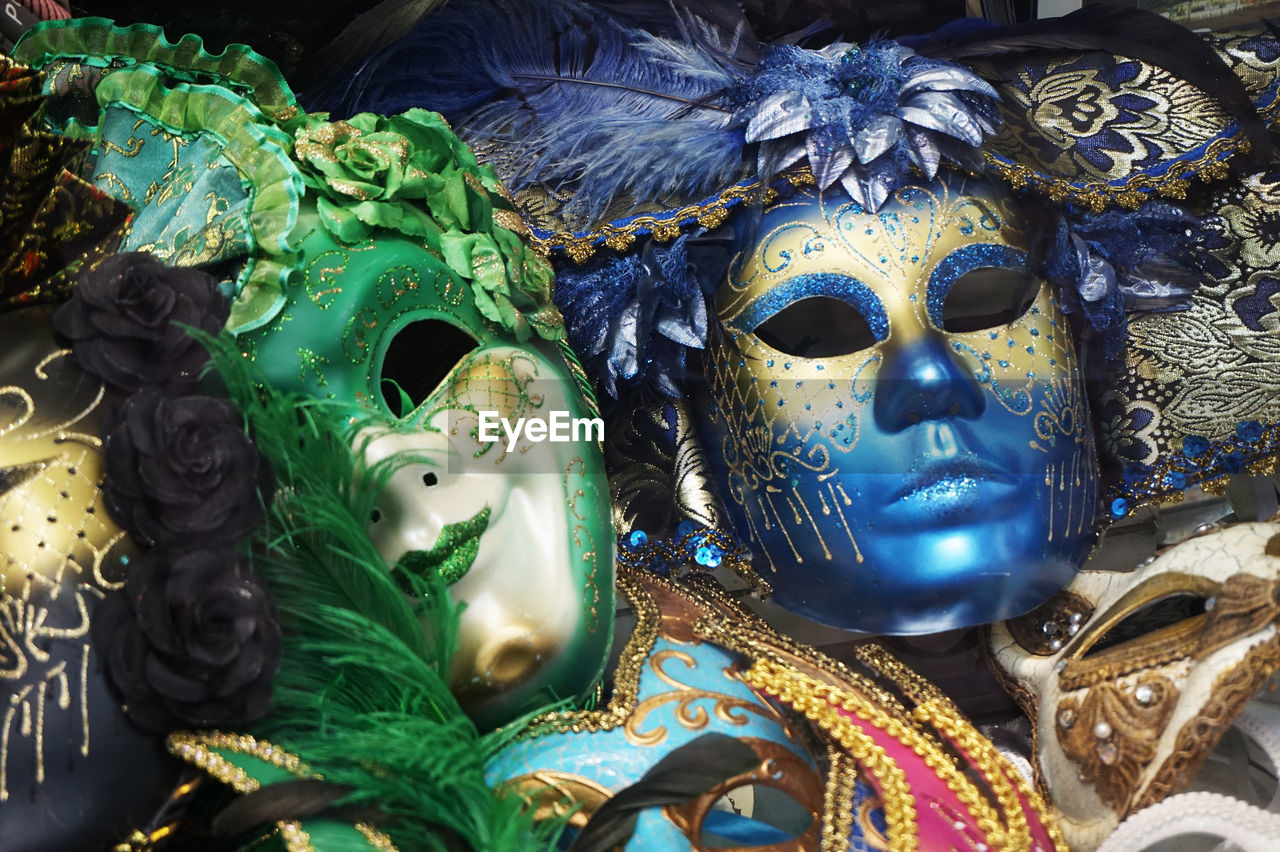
198, 750
1096, 196
1231, 691
935, 709
294, 837
662, 227
376, 838
837, 801
814, 700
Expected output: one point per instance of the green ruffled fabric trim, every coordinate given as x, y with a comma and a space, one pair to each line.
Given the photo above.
100, 40
259, 152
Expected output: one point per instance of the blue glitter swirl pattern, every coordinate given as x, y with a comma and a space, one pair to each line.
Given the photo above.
967, 259
832, 284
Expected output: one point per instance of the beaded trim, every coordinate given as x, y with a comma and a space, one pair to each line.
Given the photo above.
1253, 449
376, 838
1134, 191
814, 700
198, 750
837, 801
662, 227
295, 838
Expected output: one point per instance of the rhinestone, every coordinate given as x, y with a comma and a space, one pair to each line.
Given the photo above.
1107, 753
1073, 629
1144, 694
1060, 666
1055, 645
958, 825
1066, 717
1077, 617
1051, 628
1210, 603
1102, 730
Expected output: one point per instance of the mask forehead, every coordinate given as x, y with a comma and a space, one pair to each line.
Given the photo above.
895, 253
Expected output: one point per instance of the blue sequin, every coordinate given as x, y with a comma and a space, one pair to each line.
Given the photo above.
638, 538
1249, 430
1194, 445
685, 528
831, 284
1232, 462
708, 555
1119, 507
1175, 479
966, 259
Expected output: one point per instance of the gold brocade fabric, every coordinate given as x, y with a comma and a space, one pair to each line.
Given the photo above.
1097, 129
51, 220
1197, 397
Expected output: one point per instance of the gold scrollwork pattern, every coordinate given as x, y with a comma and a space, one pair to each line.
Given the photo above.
1111, 732
688, 712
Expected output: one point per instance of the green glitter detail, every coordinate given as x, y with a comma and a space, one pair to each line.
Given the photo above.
452, 554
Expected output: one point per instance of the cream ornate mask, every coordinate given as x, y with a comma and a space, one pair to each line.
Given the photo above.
895, 413
1131, 678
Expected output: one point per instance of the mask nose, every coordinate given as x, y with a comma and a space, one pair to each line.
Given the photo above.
924, 380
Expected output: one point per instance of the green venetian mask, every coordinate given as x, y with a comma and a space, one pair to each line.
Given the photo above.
413, 304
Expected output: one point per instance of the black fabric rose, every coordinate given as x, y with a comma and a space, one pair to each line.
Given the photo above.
183, 470
191, 642
122, 321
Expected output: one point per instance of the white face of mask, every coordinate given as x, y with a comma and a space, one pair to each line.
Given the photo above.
503, 521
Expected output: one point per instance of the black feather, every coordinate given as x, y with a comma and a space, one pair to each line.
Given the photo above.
681, 776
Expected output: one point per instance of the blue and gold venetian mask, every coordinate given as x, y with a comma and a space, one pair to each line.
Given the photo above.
895, 413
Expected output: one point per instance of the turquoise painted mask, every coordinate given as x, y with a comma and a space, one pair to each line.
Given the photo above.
670, 688
895, 412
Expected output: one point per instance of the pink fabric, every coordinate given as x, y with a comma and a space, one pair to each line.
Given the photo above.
944, 823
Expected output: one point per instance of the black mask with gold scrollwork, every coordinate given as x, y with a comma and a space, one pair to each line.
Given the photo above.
64, 737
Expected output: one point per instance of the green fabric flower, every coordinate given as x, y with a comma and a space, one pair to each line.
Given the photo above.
409, 173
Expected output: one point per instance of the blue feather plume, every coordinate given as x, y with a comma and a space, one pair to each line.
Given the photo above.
561, 88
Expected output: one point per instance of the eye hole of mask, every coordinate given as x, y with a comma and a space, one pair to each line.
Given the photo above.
754, 815
817, 327
1153, 617
419, 358
988, 297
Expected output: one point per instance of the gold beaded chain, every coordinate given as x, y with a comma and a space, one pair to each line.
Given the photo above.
837, 800
1012, 833
804, 696
934, 708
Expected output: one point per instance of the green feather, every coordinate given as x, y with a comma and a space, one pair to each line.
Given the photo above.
362, 695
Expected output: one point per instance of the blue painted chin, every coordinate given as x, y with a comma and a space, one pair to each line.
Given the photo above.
958, 552
929, 522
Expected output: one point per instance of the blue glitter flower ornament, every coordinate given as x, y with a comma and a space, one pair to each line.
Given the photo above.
636, 315
862, 115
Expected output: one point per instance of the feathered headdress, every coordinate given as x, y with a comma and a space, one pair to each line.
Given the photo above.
621, 126
657, 103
